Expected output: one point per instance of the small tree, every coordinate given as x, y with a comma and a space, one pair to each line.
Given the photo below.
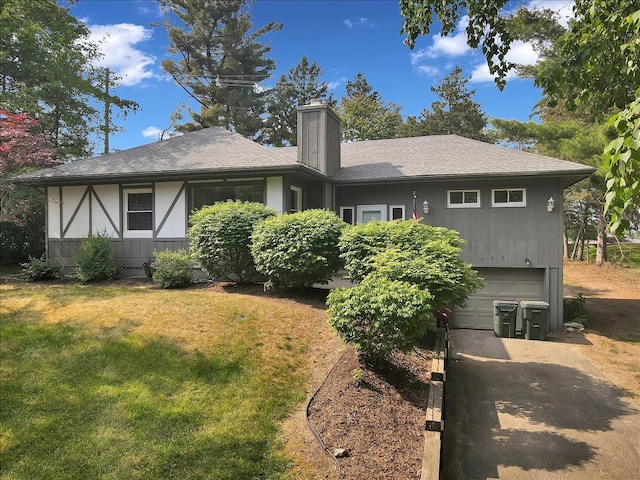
299, 249
221, 238
380, 316
406, 271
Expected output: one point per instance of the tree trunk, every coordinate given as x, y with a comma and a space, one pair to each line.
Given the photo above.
581, 249
601, 243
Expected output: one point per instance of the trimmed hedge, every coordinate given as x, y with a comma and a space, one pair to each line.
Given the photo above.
299, 249
221, 238
96, 259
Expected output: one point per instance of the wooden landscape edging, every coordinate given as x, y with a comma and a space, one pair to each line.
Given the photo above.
434, 421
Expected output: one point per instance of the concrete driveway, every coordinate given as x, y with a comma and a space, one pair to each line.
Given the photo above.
525, 409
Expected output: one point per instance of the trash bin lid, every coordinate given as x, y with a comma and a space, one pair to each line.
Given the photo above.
504, 303
534, 304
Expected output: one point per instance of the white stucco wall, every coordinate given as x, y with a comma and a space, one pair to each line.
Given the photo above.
174, 220
275, 193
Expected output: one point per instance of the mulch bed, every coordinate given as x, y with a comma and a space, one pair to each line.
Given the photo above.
378, 417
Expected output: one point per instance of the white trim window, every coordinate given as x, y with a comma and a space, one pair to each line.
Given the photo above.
347, 216
369, 213
509, 197
463, 199
396, 212
296, 199
138, 212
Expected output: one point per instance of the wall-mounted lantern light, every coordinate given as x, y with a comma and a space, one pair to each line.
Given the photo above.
425, 206
551, 204
527, 261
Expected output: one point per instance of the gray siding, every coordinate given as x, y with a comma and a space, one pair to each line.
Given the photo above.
496, 237
130, 252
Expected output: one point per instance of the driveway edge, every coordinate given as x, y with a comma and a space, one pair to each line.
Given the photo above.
434, 417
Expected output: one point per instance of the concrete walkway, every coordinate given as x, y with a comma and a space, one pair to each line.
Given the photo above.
524, 409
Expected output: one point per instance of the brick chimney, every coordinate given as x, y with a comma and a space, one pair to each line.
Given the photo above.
319, 137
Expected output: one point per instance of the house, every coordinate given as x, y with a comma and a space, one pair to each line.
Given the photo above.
505, 203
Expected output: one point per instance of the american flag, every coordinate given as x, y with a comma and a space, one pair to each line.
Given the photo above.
415, 206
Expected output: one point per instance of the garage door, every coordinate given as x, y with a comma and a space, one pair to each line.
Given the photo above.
511, 284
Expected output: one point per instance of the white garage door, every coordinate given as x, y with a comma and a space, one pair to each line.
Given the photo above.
512, 284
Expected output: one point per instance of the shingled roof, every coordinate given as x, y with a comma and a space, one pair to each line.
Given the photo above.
211, 150
217, 151
441, 157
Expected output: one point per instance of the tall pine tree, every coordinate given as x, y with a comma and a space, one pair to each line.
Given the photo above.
220, 62
364, 115
454, 113
296, 88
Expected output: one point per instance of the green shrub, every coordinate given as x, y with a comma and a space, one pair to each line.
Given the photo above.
299, 249
380, 316
172, 269
96, 259
360, 244
40, 269
575, 309
221, 238
437, 268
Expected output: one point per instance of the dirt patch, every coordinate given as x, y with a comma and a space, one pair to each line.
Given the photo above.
612, 336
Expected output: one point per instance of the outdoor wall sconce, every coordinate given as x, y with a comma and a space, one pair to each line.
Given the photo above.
551, 204
425, 206
527, 261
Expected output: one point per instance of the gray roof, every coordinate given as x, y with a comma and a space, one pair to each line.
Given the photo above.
204, 151
217, 151
441, 156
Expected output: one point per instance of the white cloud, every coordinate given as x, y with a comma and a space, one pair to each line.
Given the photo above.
521, 53
359, 22
445, 46
429, 70
564, 9
336, 83
151, 131
118, 43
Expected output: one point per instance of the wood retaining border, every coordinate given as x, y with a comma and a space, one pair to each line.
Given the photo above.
434, 419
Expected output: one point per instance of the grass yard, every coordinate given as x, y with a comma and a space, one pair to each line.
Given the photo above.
624, 254
128, 381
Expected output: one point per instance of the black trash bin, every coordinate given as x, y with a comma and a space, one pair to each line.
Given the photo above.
504, 318
535, 319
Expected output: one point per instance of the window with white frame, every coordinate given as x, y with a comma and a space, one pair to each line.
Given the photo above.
296, 199
138, 206
369, 213
463, 199
346, 214
509, 197
396, 212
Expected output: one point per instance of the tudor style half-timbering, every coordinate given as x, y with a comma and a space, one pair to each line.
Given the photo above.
506, 204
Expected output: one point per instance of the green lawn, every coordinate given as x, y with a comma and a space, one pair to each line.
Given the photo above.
125, 382
625, 254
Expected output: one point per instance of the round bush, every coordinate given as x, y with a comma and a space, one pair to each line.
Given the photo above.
40, 269
96, 259
360, 244
437, 268
221, 238
380, 316
299, 249
172, 269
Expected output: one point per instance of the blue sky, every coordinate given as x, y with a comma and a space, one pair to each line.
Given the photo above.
343, 36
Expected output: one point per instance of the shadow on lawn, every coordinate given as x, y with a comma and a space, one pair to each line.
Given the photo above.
80, 406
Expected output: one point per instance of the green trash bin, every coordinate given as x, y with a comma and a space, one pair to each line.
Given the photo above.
504, 318
535, 319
